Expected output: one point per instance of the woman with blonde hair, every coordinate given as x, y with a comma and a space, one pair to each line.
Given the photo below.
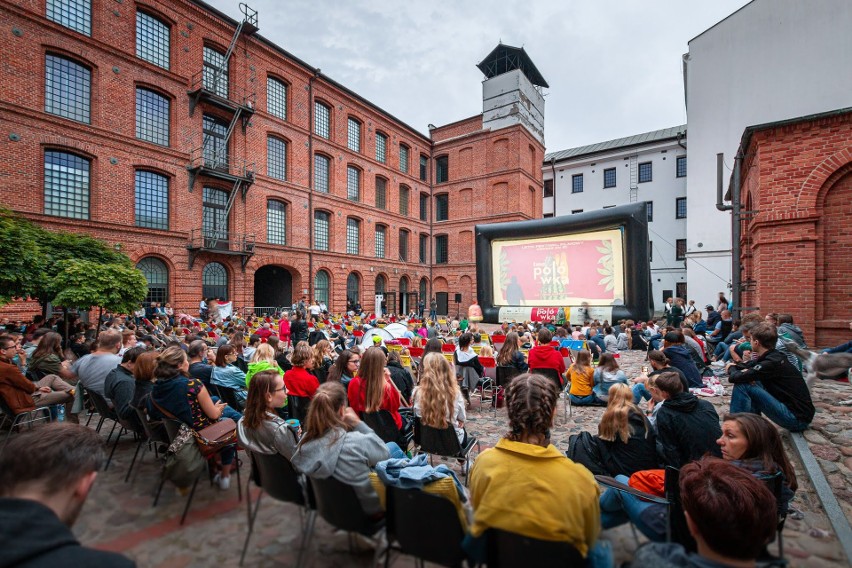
373, 390
322, 359
263, 359
486, 351
438, 401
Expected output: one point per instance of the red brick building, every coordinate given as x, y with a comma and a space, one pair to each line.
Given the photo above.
224, 166
797, 227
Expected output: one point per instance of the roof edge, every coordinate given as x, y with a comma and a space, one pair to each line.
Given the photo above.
682, 129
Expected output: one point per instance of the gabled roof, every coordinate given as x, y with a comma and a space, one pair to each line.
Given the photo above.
672, 133
504, 58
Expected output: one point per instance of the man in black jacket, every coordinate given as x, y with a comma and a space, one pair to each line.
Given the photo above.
770, 385
45, 476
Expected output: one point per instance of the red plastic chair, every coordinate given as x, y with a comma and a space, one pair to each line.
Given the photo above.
488, 361
416, 351
448, 348
404, 341
358, 333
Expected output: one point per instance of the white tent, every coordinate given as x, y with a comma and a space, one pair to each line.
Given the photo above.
367, 340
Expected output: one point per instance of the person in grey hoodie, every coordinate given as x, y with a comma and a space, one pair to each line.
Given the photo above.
337, 444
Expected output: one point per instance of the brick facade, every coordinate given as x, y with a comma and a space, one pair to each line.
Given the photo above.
493, 175
797, 242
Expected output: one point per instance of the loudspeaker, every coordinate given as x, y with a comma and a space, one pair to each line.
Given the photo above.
458, 298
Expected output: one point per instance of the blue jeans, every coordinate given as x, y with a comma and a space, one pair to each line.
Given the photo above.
618, 507
755, 399
640, 392
654, 341
721, 349
228, 412
395, 451
584, 400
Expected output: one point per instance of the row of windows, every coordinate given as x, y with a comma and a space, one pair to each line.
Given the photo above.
680, 250
353, 237
322, 165
680, 209
609, 177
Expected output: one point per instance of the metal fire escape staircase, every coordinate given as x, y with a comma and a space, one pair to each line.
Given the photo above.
207, 162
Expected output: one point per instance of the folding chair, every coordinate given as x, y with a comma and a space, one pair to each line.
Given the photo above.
297, 406
152, 435
551, 374
104, 410
511, 549
382, 423
505, 374
28, 417
445, 443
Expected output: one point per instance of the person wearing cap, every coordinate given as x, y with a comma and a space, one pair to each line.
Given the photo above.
674, 348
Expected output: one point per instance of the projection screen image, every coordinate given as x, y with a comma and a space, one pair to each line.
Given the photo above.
559, 270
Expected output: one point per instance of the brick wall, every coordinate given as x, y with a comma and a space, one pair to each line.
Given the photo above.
797, 245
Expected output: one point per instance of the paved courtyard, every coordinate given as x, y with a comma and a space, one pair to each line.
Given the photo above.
119, 516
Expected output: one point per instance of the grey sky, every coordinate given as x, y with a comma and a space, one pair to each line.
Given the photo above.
613, 66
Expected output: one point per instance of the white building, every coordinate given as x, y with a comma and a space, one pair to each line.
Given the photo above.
770, 60
649, 167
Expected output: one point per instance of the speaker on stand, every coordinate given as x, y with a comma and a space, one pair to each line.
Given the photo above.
458, 306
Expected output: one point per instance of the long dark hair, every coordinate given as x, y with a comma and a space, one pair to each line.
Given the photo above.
50, 344
339, 368
764, 444
261, 384
507, 352
432, 346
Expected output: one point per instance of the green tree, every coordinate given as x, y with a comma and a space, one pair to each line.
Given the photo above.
20, 257
85, 284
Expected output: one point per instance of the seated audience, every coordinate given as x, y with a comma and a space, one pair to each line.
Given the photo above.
262, 359
687, 427
581, 375
299, 381
91, 370
119, 385
47, 359
510, 353
344, 368
260, 429
199, 367
322, 359
659, 364
770, 385
335, 443
143, 374
465, 358
373, 390
46, 475
544, 356
227, 374
21, 394
400, 376
674, 348
438, 402
607, 374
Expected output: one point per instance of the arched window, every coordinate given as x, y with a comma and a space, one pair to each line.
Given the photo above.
353, 289
321, 286
214, 281
381, 284
157, 274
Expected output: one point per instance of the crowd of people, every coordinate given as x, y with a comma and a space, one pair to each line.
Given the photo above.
304, 385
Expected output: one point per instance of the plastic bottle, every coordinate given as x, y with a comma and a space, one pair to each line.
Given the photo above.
60, 413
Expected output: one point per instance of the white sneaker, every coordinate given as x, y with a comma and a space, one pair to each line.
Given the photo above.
717, 364
225, 483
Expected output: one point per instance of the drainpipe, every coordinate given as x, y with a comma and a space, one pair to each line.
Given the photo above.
310, 282
681, 136
720, 169
736, 229
553, 169
431, 220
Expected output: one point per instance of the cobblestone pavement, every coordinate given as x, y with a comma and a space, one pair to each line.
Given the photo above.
120, 517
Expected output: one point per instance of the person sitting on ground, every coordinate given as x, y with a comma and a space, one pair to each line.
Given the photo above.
120, 386
625, 443
437, 400
544, 356
177, 396
721, 330
22, 395
260, 429
299, 380
674, 348
226, 374
400, 376
322, 359
344, 368
610, 340
335, 443
47, 358
789, 332
525, 485
373, 390
659, 364
199, 368
687, 427
263, 359
510, 354
770, 385
728, 512
581, 375
46, 475
607, 374
91, 370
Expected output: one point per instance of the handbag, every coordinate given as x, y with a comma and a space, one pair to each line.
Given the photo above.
216, 436
183, 461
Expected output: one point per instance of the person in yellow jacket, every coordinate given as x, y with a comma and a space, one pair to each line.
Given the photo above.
526, 486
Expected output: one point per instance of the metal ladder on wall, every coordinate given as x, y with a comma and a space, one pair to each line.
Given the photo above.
634, 178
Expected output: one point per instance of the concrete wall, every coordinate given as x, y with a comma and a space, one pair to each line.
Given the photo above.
771, 60
510, 99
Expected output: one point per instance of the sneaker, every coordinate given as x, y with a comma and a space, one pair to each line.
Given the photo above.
224, 483
717, 364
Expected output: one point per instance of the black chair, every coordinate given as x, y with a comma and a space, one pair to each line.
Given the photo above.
297, 406
126, 426
338, 504
29, 417
153, 434
275, 475
229, 397
505, 374
510, 549
445, 443
425, 526
104, 410
382, 423
551, 374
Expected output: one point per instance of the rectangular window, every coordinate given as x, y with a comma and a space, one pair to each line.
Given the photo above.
548, 188
442, 207
645, 172
680, 249
424, 206
73, 14
152, 40
353, 183
321, 167
322, 120
276, 222
66, 185
575, 211
152, 200
67, 89
442, 169
547, 215
215, 148
276, 98
403, 245
403, 200
424, 246
681, 166
381, 148
215, 72
276, 158
609, 177
424, 167
577, 183
353, 236
320, 230
441, 249
403, 158
649, 208
380, 242
680, 208
152, 117
381, 193
353, 135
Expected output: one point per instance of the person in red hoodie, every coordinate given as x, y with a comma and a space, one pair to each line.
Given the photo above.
298, 380
544, 356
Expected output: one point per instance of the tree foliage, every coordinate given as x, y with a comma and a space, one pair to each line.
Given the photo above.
67, 269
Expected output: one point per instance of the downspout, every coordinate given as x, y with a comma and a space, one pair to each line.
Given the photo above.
720, 172
736, 229
427, 304
553, 169
681, 136
310, 285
